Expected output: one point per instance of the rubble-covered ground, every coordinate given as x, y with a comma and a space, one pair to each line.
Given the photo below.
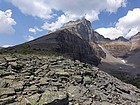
51, 80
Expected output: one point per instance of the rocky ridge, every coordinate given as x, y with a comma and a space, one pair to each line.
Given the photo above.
121, 38
51, 80
121, 47
99, 38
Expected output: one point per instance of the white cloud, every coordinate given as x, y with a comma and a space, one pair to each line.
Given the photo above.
111, 33
29, 38
55, 25
72, 9
35, 29
126, 26
113, 5
32, 30
6, 22
37, 8
6, 46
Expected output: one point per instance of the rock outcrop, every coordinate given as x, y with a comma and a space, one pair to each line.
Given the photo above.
51, 80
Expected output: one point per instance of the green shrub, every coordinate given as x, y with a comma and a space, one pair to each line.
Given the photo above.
24, 49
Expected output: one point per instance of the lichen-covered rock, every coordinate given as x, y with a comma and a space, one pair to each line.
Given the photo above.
6, 92
52, 80
7, 100
33, 100
57, 98
18, 86
87, 80
62, 73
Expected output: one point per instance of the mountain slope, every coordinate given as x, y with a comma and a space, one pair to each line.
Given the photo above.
74, 40
65, 43
117, 48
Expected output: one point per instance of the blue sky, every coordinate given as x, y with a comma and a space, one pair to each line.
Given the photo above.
24, 20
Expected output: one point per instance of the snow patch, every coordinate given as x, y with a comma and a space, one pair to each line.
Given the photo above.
123, 61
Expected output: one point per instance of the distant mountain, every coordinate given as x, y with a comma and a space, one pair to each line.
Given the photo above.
137, 36
122, 59
96, 37
121, 38
135, 40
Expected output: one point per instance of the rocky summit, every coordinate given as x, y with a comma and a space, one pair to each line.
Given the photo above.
51, 80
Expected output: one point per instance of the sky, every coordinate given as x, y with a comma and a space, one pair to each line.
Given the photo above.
25, 20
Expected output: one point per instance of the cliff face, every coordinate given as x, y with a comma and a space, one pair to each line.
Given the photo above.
83, 29
66, 43
135, 41
80, 27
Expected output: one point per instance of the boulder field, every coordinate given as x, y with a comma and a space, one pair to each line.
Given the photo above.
55, 80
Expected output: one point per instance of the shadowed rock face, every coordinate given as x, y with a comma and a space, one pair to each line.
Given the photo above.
99, 38
83, 29
66, 43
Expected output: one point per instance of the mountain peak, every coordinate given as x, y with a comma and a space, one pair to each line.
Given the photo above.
82, 28
73, 23
121, 38
136, 36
